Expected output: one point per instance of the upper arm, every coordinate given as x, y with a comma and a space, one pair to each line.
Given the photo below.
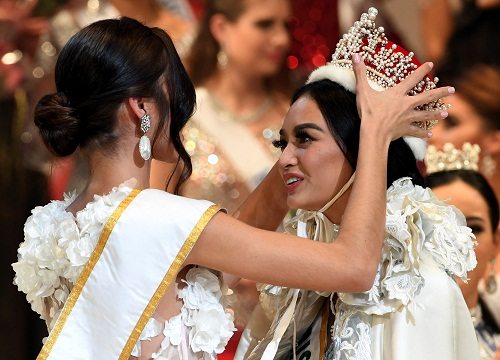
281, 259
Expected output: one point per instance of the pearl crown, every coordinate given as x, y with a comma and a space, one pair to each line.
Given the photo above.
451, 158
387, 63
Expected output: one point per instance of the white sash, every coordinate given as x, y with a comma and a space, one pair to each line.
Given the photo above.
239, 146
142, 247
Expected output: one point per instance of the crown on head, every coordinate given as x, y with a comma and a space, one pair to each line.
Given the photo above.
451, 158
387, 63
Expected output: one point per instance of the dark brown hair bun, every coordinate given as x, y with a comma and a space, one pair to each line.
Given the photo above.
58, 124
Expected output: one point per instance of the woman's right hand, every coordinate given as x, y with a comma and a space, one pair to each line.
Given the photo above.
392, 113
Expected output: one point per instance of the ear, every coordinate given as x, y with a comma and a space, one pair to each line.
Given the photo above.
219, 28
496, 240
491, 143
137, 106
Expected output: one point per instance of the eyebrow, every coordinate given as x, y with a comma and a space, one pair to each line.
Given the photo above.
474, 218
307, 126
302, 127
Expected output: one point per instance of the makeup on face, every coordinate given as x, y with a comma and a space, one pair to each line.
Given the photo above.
312, 165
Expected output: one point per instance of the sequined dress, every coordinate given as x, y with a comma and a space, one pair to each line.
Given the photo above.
228, 160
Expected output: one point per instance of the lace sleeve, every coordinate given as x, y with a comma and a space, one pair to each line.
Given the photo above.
417, 224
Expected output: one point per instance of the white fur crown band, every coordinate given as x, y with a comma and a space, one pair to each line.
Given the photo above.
387, 64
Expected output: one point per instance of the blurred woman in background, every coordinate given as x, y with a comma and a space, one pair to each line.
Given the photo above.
474, 117
453, 175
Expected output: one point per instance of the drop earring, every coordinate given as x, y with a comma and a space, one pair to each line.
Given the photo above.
491, 282
222, 59
144, 143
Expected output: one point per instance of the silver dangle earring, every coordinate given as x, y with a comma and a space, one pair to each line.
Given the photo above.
491, 281
144, 143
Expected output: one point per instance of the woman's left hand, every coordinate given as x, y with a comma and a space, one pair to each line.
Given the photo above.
392, 113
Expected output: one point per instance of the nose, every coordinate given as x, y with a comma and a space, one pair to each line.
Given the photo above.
281, 37
288, 157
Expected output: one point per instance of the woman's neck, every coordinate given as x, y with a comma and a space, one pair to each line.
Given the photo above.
336, 211
108, 171
239, 93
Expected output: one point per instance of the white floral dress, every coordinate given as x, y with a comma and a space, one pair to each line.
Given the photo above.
56, 248
414, 310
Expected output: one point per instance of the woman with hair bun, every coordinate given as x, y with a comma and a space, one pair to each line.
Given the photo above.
123, 271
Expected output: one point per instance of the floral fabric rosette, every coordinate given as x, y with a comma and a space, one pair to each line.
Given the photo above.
418, 224
57, 246
202, 320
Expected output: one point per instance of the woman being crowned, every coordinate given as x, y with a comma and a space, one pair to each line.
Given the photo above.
414, 309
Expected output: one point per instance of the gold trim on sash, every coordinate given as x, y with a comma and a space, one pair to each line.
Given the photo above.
87, 270
167, 280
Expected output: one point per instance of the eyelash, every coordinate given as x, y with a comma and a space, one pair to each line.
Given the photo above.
303, 137
280, 144
450, 122
265, 24
476, 229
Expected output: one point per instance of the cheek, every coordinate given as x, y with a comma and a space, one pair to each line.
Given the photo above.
484, 249
323, 169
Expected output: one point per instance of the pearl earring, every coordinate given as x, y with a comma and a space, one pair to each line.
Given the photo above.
144, 143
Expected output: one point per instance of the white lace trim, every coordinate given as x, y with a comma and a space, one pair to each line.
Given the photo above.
418, 225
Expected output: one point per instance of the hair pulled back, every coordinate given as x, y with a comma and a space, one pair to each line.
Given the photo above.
97, 70
473, 179
338, 107
202, 57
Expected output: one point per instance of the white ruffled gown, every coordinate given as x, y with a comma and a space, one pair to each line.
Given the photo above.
415, 309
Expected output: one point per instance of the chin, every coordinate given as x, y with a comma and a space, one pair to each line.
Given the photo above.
295, 202
305, 203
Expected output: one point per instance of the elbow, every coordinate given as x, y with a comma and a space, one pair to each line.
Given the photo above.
365, 278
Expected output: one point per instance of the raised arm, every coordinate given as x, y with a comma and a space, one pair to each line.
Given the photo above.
266, 206
349, 264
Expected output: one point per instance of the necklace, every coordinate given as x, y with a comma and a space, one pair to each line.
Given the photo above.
256, 114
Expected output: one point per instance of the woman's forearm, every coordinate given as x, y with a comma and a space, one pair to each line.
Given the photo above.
363, 223
266, 206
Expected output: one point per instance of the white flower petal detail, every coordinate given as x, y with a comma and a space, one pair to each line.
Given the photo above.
56, 247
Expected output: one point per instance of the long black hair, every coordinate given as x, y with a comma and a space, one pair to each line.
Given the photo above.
338, 107
97, 70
